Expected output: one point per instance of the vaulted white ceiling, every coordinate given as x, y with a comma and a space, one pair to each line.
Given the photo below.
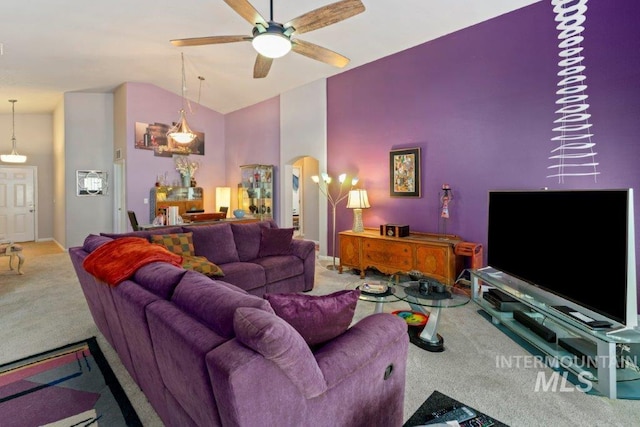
50, 47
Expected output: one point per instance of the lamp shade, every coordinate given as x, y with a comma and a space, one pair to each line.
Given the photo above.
358, 199
223, 197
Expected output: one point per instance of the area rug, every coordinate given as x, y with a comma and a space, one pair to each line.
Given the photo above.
69, 386
437, 403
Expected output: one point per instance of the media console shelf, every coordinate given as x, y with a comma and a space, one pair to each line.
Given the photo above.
604, 352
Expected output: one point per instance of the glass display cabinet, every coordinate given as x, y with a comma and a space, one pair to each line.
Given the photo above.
256, 190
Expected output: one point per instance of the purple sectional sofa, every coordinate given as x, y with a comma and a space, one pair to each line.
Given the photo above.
209, 353
235, 248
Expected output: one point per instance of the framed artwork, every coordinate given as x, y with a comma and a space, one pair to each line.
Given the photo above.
153, 137
404, 173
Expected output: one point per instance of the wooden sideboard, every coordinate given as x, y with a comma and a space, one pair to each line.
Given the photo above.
431, 254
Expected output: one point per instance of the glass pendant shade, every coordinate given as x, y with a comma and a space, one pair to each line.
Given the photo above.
181, 133
14, 157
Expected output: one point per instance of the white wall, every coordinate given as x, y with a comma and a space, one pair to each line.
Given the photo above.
303, 132
34, 140
88, 145
59, 191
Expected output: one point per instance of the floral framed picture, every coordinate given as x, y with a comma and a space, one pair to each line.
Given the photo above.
404, 173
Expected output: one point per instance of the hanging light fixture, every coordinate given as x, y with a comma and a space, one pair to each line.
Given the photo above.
180, 132
272, 41
14, 157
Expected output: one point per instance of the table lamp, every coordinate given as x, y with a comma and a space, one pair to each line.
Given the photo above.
358, 200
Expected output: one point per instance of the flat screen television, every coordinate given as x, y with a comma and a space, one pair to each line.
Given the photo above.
576, 244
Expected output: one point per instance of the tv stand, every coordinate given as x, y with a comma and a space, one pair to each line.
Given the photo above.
600, 365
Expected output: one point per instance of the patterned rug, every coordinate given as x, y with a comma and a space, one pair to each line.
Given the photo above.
68, 386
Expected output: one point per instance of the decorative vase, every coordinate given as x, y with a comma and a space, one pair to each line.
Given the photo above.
186, 180
238, 213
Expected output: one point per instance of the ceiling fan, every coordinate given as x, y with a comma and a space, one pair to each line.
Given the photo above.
273, 40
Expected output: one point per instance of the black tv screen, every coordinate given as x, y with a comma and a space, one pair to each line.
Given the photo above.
571, 243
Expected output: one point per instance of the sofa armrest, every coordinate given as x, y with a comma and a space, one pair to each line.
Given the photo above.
360, 346
355, 365
306, 251
302, 248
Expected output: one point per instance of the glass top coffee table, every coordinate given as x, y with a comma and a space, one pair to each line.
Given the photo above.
430, 303
375, 296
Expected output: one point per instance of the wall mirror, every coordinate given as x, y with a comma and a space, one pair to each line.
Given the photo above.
91, 183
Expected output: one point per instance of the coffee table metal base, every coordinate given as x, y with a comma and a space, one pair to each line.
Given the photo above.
433, 346
427, 339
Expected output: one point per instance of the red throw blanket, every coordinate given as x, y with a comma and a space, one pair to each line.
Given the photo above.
116, 261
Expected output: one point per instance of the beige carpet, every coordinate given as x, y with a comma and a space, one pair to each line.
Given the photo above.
45, 308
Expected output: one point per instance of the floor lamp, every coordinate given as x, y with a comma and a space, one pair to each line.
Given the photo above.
323, 182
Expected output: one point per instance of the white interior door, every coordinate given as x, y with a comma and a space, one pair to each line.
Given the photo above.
17, 203
119, 198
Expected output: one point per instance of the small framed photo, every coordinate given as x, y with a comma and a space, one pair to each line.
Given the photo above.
404, 173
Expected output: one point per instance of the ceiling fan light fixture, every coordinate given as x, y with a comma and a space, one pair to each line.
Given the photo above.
180, 132
14, 157
272, 43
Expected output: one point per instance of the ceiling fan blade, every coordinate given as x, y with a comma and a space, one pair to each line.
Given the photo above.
319, 53
326, 15
247, 11
262, 66
199, 41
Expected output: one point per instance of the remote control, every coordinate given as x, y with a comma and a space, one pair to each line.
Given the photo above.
460, 415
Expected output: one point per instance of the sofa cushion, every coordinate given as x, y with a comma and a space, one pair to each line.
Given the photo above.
93, 241
214, 242
213, 302
159, 278
275, 241
282, 267
178, 243
247, 236
201, 265
245, 275
278, 342
318, 318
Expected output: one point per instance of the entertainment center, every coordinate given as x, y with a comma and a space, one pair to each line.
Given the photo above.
569, 289
590, 354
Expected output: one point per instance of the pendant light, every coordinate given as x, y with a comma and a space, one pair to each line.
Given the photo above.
180, 132
14, 157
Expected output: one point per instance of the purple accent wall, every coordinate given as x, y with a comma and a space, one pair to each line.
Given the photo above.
147, 103
253, 137
480, 104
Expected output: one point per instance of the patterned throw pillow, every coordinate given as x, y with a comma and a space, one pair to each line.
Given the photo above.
178, 243
202, 265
